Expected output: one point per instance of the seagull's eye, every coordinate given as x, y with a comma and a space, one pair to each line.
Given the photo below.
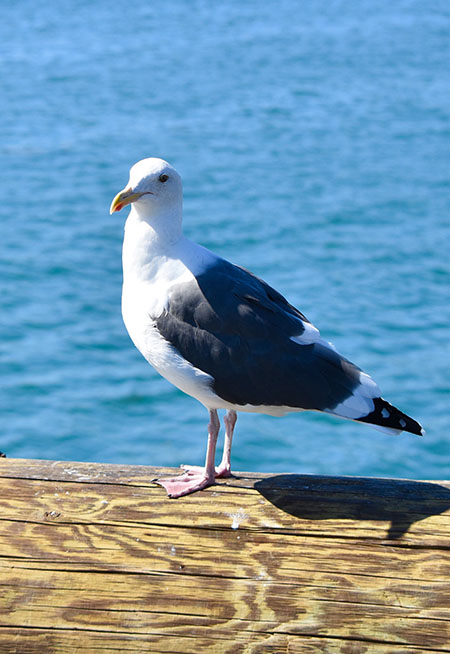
163, 178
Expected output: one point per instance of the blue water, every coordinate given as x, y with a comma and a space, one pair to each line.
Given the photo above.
314, 143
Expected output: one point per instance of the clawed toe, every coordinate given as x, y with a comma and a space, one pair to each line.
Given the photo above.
185, 484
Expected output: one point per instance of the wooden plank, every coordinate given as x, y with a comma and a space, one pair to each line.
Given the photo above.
95, 558
348, 506
24, 641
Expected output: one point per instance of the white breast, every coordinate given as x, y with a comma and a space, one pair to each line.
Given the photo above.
149, 276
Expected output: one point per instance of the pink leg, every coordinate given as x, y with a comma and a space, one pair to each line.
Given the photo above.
190, 482
224, 469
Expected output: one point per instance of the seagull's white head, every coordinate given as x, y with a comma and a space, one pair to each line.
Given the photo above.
154, 187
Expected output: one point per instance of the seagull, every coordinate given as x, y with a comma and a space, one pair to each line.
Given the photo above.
224, 336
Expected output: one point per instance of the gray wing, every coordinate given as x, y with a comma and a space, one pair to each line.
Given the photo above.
258, 348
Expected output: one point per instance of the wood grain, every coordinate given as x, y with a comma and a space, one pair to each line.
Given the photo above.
95, 558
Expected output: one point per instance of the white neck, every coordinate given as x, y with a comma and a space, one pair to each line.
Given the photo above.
165, 225
146, 242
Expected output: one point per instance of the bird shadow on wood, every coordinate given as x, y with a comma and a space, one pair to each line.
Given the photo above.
401, 502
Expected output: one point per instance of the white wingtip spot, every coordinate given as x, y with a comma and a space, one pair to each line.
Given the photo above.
385, 413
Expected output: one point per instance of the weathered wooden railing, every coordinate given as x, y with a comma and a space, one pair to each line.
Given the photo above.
95, 558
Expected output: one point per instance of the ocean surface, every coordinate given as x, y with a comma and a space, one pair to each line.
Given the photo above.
314, 143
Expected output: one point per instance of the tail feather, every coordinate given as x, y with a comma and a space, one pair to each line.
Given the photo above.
386, 415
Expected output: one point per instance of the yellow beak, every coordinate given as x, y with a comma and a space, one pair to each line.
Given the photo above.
127, 196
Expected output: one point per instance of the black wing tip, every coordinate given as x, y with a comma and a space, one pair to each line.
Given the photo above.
387, 415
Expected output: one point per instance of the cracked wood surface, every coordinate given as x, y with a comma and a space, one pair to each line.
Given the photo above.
95, 558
